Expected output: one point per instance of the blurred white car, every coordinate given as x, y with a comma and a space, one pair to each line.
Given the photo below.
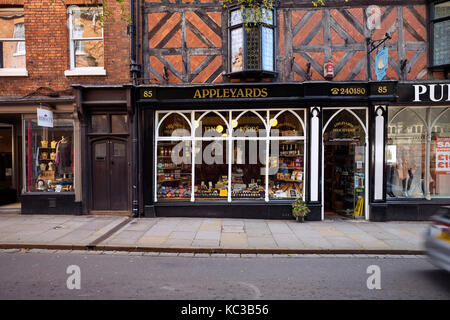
437, 241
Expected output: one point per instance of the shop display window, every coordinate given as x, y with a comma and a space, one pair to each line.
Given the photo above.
439, 186
287, 182
230, 155
418, 136
49, 156
174, 173
248, 170
211, 170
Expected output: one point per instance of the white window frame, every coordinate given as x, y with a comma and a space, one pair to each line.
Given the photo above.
81, 71
14, 72
230, 139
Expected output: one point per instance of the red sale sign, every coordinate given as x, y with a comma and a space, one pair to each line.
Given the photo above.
442, 155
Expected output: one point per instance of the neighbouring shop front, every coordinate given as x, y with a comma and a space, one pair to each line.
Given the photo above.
105, 113
417, 153
249, 150
38, 148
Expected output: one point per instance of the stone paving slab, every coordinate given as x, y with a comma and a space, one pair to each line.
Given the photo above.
211, 233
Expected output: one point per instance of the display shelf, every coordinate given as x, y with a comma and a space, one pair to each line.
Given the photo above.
289, 180
173, 180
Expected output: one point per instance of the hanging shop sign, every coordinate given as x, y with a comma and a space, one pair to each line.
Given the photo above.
442, 155
381, 63
45, 118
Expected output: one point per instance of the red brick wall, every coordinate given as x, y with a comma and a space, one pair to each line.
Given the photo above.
47, 49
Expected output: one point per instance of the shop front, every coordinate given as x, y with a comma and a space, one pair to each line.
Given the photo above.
249, 150
417, 153
38, 144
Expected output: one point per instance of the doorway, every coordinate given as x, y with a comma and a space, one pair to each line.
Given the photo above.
344, 169
110, 187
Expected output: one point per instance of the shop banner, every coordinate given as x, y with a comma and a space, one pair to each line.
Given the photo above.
45, 118
442, 155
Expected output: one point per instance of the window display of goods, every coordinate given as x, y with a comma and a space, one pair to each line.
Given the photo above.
174, 192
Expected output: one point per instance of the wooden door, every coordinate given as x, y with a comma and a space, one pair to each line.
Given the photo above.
109, 175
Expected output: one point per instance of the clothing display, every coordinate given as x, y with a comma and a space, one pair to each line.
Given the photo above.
63, 158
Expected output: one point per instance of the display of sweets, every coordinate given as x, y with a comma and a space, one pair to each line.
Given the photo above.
174, 192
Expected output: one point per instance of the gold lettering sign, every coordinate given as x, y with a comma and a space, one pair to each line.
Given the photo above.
223, 93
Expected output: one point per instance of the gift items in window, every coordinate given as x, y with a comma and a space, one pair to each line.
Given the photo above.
49, 156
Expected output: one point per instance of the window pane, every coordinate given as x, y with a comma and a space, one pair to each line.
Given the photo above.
286, 124
235, 17
405, 154
175, 125
100, 151
211, 170
174, 165
442, 10
13, 54
267, 16
440, 157
248, 125
86, 23
442, 43
286, 174
12, 27
237, 51
9, 18
248, 170
49, 155
89, 53
253, 49
210, 125
99, 124
267, 44
119, 123
119, 149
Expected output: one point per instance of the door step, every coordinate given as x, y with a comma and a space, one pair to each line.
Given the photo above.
110, 212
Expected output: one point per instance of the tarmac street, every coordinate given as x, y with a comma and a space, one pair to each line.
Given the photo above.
47, 274
210, 234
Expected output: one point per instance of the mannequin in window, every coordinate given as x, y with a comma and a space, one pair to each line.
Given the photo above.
64, 157
390, 170
406, 169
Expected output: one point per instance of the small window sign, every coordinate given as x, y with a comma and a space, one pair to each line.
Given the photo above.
45, 118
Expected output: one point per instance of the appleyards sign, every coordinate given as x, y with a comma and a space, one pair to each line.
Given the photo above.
318, 90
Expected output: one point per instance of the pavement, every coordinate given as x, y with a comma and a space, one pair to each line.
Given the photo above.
210, 235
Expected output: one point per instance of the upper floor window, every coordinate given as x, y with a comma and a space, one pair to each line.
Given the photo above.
251, 45
440, 33
12, 42
86, 41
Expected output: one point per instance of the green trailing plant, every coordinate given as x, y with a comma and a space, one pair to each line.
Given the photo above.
106, 13
299, 208
253, 11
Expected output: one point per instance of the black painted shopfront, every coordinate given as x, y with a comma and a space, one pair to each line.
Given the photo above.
249, 150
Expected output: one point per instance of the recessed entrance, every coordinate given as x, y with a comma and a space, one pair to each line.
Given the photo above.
344, 163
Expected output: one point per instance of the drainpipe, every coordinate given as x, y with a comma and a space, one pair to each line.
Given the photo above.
135, 70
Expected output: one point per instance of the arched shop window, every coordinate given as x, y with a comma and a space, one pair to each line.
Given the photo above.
175, 124
416, 160
231, 155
